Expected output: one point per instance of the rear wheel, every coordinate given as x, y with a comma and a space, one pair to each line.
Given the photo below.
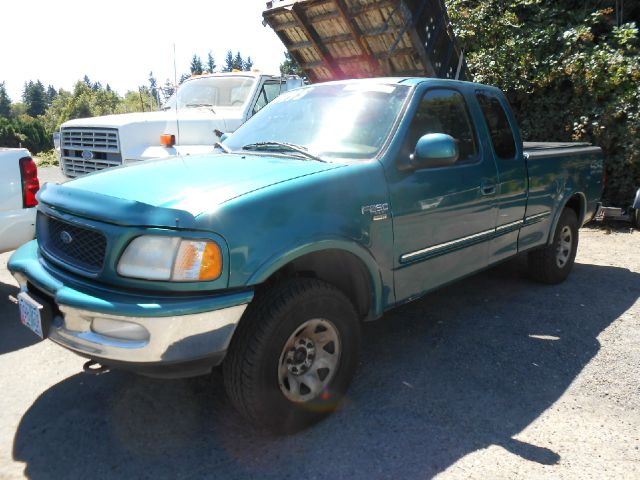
552, 263
293, 356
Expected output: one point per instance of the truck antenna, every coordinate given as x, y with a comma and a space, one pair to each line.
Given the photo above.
175, 83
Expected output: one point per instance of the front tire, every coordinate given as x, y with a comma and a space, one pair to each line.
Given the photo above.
293, 355
553, 263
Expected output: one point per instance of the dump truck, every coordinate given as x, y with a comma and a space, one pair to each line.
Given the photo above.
340, 39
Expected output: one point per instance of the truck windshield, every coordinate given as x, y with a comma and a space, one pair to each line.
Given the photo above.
340, 120
212, 92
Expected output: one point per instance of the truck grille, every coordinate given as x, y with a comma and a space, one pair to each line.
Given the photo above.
71, 244
86, 150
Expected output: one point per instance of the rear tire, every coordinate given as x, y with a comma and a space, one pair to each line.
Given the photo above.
293, 355
552, 263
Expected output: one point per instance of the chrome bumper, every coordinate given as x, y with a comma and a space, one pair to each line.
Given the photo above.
142, 340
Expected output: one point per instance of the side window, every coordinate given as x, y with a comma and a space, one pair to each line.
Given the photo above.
499, 128
268, 92
445, 111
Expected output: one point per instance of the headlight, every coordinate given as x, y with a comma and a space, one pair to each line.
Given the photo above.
155, 257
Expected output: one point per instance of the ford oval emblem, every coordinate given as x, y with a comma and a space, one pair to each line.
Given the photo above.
66, 237
87, 155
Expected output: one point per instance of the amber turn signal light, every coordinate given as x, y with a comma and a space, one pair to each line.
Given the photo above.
168, 140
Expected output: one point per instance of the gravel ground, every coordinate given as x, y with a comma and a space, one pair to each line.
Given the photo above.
494, 377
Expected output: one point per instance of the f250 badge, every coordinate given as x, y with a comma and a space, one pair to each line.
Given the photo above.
379, 211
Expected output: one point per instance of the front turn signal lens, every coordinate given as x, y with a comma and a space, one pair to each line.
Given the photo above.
197, 261
168, 140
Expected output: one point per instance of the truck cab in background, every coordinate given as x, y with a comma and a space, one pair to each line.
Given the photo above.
203, 106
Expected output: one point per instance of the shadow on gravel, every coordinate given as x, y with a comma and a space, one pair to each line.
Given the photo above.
462, 369
13, 335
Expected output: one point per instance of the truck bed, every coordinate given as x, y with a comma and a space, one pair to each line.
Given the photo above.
339, 39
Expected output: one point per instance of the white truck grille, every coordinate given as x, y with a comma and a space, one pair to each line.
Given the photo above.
86, 150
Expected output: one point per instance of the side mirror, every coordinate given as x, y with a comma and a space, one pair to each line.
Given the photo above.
435, 150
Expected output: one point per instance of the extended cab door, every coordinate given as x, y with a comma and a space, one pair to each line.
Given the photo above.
443, 218
506, 147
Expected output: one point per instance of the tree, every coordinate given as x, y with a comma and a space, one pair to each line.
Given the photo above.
238, 62
35, 98
248, 65
570, 69
87, 81
228, 62
167, 90
5, 102
153, 88
51, 95
211, 64
290, 66
183, 77
196, 65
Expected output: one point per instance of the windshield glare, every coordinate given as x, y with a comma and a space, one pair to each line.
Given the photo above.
350, 120
212, 91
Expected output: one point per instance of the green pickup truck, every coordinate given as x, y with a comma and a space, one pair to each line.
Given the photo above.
334, 204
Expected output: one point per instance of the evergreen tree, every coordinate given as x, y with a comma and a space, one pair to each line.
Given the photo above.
196, 65
51, 95
248, 65
211, 64
5, 102
238, 62
167, 90
153, 87
185, 76
290, 66
228, 62
87, 81
35, 98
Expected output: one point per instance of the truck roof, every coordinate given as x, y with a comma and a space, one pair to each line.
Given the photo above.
253, 74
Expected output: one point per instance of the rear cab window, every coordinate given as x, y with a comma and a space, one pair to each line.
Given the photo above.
498, 125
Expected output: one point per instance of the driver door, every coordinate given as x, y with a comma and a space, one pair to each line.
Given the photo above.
443, 217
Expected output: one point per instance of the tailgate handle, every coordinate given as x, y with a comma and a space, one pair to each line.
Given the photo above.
487, 188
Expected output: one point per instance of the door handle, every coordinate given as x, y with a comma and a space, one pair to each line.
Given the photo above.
487, 188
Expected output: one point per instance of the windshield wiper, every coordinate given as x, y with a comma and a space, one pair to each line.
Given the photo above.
206, 105
222, 147
283, 146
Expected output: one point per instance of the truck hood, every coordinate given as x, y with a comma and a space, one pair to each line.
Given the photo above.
191, 184
191, 126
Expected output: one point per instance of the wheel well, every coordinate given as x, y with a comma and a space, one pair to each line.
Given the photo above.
342, 269
576, 204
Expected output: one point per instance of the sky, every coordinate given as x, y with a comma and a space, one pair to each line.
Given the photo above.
119, 42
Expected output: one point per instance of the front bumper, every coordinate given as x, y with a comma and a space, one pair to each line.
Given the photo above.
128, 330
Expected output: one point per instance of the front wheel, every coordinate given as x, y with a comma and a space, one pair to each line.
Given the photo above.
552, 263
293, 356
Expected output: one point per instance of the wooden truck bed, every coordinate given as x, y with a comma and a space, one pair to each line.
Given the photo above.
337, 39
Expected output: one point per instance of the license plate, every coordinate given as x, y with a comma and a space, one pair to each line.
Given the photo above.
30, 313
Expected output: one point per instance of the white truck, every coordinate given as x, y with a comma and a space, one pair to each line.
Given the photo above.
189, 123
18, 187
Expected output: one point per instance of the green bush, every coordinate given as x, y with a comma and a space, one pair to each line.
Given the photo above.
569, 72
24, 131
50, 158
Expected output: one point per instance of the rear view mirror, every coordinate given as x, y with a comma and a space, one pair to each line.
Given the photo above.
435, 150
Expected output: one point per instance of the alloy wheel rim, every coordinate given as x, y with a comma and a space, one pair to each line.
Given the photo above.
565, 246
309, 360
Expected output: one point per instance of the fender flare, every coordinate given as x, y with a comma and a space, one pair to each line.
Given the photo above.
278, 261
561, 206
